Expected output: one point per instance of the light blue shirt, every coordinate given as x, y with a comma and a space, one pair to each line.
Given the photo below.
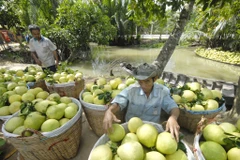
148, 109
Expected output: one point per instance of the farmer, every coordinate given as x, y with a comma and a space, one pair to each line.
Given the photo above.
43, 50
144, 100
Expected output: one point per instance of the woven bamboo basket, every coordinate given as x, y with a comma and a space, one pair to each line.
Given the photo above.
189, 119
104, 139
95, 114
39, 83
60, 144
71, 89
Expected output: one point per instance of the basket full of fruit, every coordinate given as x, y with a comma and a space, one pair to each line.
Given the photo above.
196, 101
66, 82
96, 97
218, 141
139, 140
47, 128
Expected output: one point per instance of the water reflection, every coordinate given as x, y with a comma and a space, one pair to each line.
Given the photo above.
182, 61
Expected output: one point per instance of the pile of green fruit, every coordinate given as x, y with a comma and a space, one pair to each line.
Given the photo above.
64, 74
102, 91
142, 142
12, 95
29, 74
43, 112
193, 96
221, 139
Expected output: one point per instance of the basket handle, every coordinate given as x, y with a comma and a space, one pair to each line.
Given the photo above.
32, 131
63, 140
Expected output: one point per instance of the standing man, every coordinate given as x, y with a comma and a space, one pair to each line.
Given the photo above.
145, 100
43, 50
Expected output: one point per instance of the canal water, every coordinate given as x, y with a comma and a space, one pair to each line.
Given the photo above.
183, 61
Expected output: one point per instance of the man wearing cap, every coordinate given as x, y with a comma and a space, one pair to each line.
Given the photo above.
43, 50
144, 99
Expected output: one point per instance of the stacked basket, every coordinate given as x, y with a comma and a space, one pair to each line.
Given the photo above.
61, 143
95, 114
71, 89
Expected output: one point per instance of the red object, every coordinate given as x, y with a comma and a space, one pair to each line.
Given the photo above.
5, 36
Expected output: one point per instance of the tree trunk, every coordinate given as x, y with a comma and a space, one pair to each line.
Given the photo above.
236, 105
170, 45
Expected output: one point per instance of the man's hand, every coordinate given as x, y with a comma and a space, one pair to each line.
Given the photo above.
109, 117
173, 127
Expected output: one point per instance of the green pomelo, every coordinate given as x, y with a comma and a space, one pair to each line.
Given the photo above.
154, 155
13, 123
217, 94
28, 97
131, 151
14, 97
50, 125
37, 90
233, 154
188, 95
177, 98
42, 94
129, 137
74, 105
14, 107
53, 112
62, 106
195, 86
85, 93
88, 98
178, 155
9, 93
101, 152
70, 112
21, 90
34, 120
134, 123
213, 151
42, 106
65, 99
54, 97
96, 92
211, 104
228, 127
63, 121
207, 93
213, 132
98, 101
165, 143
4, 111
19, 131
116, 133
11, 86
197, 107
147, 135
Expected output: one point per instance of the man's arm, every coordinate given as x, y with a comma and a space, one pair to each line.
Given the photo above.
56, 57
34, 56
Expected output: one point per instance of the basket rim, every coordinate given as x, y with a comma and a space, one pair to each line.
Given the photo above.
222, 107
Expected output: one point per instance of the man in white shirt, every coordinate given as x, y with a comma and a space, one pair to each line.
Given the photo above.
43, 50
